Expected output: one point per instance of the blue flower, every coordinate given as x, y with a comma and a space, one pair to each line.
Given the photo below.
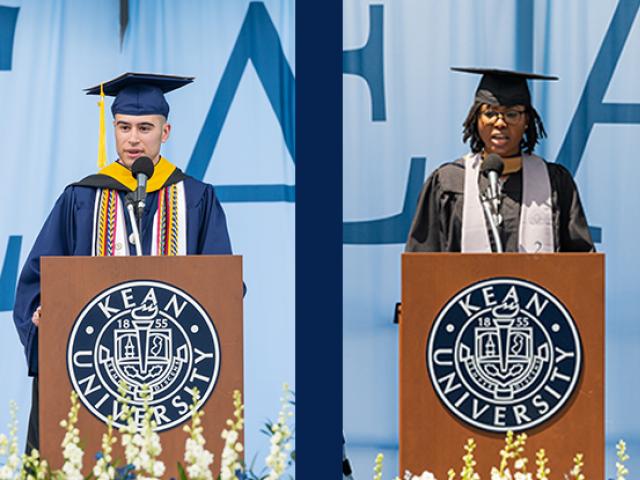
240, 475
126, 473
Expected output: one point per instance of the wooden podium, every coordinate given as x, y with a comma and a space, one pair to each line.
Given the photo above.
486, 345
163, 325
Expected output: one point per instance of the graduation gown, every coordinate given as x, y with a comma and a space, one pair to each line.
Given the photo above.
437, 224
69, 227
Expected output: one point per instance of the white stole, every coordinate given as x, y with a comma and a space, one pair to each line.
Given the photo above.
535, 234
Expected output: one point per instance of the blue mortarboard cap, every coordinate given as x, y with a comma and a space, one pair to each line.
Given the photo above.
140, 93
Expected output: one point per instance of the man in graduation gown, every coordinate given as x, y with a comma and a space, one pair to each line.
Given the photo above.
182, 216
540, 209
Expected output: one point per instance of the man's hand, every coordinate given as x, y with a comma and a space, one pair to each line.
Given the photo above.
35, 318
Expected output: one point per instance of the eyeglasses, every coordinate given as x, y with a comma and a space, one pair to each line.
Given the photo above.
511, 117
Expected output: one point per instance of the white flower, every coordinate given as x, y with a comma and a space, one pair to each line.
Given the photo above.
495, 474
277, 460
6, 473
522, 476
142, 444
198, 459
232, 436
425, 476
103, 470
9, 445
71, 451
229, 459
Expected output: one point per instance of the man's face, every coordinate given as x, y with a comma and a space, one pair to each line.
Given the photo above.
140, 136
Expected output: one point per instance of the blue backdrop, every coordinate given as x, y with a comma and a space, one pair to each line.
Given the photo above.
403, 113
234, 128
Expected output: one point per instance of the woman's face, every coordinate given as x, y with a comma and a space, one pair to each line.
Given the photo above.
501, 128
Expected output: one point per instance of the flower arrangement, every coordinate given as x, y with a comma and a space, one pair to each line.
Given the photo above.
71, 450
9, 446
512, 454
104, 469
198, 459
142, 448
231, 466
279, 457
377, 470
621, 451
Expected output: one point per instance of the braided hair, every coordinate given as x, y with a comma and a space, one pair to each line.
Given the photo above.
532, 135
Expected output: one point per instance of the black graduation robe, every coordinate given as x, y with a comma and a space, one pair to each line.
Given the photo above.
69, 227
437, 224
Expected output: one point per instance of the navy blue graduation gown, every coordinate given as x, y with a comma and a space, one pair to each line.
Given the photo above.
68, 231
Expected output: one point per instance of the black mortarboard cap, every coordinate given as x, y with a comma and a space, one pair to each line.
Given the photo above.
503, 87
140, 93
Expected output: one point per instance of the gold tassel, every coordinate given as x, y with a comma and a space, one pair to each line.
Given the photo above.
102, 134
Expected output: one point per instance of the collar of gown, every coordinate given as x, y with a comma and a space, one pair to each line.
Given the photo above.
161, 174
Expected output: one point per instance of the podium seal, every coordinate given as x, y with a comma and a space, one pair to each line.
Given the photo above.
504, 354
150, 337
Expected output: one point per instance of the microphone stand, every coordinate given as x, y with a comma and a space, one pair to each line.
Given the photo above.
488, 201
138, 198
139, 213
135, 222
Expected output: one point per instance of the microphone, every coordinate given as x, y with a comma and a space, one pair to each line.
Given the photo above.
142, 170
492, 168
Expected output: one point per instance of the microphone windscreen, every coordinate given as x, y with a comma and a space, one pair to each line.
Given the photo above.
142, 165
493, 163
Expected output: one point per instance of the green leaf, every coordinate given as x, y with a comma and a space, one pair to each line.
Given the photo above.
181, 472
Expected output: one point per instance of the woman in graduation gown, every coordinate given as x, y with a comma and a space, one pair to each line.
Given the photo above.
540, 209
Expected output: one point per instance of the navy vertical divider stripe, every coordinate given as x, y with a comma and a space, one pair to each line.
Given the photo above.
319, 241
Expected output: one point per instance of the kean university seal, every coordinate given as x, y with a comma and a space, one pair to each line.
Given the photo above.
151, 337
504, 354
